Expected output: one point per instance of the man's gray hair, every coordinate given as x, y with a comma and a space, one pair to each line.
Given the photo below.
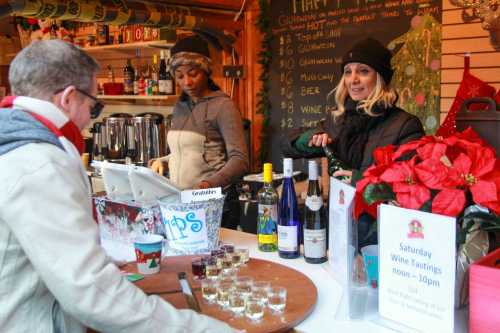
47, 66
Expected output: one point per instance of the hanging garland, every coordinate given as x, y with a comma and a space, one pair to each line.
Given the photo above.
265, 57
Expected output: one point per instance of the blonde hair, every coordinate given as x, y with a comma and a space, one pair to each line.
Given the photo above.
382, 94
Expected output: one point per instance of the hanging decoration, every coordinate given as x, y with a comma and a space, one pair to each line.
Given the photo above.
416, 70
470, 87
265, 57
114, 12
488, 11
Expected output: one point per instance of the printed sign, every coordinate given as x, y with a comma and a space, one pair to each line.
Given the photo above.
186, 231
417, 268
340, 221
190, 196
341, 247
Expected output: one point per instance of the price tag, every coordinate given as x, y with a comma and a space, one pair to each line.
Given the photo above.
189, 196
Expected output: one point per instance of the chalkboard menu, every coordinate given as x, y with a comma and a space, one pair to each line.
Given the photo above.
311, 36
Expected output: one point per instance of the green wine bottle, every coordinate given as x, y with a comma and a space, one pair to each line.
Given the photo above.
334, 164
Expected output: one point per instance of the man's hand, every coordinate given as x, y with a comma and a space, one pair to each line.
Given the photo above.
320, 140
159, 167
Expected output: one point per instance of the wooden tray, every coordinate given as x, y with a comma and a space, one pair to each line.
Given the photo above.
301, 292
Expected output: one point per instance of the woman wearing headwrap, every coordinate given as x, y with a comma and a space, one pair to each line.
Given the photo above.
363, 116
206, 139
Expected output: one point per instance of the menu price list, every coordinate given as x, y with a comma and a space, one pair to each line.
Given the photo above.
310, 37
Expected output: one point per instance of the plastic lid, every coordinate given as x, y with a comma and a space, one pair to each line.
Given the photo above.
268, 172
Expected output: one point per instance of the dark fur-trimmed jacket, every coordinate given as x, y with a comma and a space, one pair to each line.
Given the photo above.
398, 127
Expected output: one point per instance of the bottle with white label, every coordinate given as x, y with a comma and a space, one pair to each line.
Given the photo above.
288, 220
314, 220
267, 212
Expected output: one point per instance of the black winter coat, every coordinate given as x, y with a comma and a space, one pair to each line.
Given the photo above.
396, 128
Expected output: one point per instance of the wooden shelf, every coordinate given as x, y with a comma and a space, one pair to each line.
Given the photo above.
139, 97
130, 46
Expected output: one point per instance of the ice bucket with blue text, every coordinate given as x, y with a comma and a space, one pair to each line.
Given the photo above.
191, 228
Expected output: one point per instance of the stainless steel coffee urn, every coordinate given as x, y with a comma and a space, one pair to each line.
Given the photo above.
148, 131
99, 146
122, 138
116, 138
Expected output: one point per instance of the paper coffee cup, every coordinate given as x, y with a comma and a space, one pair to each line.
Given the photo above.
370, 257
148, 253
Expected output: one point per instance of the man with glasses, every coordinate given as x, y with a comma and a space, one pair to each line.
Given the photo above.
54, 276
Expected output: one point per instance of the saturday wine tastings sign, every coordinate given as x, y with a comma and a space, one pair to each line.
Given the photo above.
417, 268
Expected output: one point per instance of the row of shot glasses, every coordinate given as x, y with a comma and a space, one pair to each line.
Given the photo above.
243, 296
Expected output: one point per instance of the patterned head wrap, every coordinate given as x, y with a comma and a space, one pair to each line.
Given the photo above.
190, 59
191, 51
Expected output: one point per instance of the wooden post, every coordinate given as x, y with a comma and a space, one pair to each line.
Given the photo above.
251, 47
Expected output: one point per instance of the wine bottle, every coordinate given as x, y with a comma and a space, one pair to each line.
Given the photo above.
267, 212
169, 79
289, 221
136, 81
111, 75
334, 164
162, 74
128, 78
154, 74
314, 220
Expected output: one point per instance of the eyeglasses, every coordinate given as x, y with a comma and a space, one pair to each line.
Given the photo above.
96, 110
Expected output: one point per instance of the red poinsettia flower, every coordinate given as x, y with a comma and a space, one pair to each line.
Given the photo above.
433, 173
474, 172
383, 155
370, 176
383, 158
413, 145
468, 172
410, 193
449, 202
451, 167
434, 150
494, 177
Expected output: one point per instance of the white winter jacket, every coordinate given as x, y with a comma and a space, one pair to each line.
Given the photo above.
54, 275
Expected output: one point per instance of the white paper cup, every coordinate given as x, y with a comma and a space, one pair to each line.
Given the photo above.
148, 253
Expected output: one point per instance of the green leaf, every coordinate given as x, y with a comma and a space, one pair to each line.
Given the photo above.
380, 192
427, 206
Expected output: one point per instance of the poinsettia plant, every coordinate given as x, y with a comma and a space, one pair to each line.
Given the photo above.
433, 174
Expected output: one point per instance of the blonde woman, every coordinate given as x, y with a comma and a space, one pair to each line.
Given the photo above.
363, 115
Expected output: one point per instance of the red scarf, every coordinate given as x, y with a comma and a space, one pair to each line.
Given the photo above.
70, 131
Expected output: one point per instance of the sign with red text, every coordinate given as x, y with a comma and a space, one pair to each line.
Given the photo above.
417, 268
